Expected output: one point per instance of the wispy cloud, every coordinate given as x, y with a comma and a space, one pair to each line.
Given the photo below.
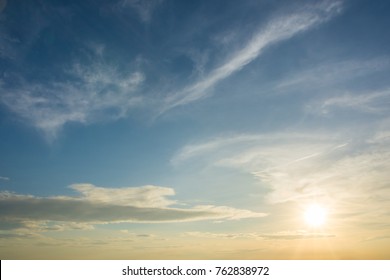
345, 172
22, 226
375, 238
328, 74
89, 93
224, 150
16, 235
278, 29
4, 178
96, 205
284, 235
374, 102
200, 149
144, 8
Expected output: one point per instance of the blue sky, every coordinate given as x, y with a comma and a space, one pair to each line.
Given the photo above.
161, 125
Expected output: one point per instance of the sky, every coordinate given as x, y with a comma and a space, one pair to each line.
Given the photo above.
163, 129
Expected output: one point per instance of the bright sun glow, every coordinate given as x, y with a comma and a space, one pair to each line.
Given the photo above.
315, 215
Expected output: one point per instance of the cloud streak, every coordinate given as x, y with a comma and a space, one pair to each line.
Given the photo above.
372, 102
284, 235
276, 30
329, 74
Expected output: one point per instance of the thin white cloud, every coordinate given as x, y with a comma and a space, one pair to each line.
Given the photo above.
198, 149
96, 205
144, 8
92, 92
276, 30
329, 74
4, 178
375, 102
245, 144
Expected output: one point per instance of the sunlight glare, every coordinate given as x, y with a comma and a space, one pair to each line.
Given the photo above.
315, 215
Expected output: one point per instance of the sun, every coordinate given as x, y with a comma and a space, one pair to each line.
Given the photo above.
315, 215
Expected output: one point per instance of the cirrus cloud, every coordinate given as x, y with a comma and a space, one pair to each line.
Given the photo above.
276, 30
88, 94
